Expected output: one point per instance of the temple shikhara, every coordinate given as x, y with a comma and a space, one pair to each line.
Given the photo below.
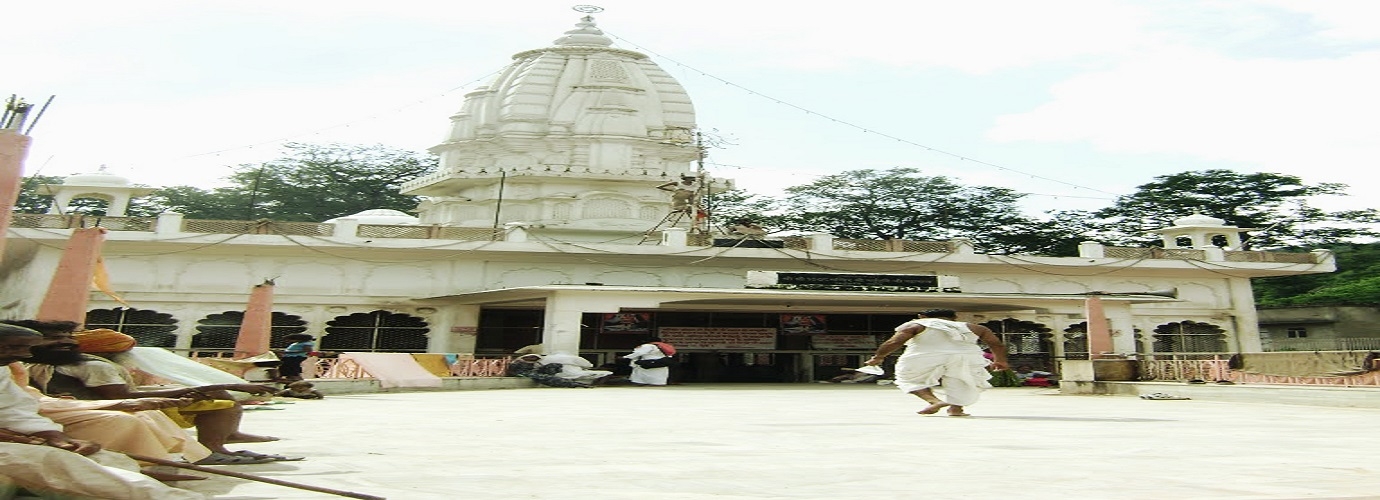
566, 212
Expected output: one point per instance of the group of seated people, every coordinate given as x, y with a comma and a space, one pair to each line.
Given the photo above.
65, 406
557, 369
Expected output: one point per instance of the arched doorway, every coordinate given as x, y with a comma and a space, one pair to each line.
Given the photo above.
376, 331
1027, 343
219, 331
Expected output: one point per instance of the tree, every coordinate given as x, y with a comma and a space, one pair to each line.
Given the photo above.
311, 183
734, 204
1356, 282
29, 201
1275, 204
902, 204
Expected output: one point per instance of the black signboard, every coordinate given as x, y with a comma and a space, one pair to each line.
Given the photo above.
858, 282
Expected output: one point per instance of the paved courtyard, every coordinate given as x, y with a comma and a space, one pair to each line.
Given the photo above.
805, 441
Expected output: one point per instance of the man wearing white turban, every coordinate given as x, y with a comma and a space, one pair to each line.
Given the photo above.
942, 352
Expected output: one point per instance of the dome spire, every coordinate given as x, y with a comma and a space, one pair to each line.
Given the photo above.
585, 32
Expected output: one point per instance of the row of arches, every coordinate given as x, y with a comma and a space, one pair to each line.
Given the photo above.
1027, 338
378, 330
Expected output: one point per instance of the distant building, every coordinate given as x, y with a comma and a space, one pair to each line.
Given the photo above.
1320, 328
545, 224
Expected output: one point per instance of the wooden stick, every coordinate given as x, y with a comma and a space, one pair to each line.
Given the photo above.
251, 477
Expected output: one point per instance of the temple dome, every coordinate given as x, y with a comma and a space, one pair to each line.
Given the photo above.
577, 136
380, 216
1199, 220
99, 178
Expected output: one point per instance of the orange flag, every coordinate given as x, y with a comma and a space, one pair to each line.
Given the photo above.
101, 280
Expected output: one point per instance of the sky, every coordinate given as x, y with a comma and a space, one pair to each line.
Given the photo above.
1072, 102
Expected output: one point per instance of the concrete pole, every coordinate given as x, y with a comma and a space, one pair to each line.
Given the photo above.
257, 328
70, 290
1099, 335
14, 146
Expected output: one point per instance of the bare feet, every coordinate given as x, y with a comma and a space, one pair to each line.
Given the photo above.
240, 437
957, 411
933, 408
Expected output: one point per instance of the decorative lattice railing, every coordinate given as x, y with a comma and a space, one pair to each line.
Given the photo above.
1253, 256
53, 221
430, 232
908, 246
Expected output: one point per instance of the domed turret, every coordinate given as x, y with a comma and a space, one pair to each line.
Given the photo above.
101, 185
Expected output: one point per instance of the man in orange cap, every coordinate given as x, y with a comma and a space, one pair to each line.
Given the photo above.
59, 368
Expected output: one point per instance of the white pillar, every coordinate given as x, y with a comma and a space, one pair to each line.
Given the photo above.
820, 242
1122, 325
1091, 250
1245, 320
169, 223
456, 329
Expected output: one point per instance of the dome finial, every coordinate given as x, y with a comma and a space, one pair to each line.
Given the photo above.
585, 32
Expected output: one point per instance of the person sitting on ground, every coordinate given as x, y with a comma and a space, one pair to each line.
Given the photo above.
531, 349
575, 368
36, 453
1032, 377
852, 376
59, 367
530, 366
301, 389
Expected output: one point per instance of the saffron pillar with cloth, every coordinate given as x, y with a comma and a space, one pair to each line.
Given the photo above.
257, 328
69, 291
14, 147
1099, 334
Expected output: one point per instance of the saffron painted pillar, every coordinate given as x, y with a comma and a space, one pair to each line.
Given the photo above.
257, 328
1099, 334
70, 290
14, 146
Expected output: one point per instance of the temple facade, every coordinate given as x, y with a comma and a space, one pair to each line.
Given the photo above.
565, 213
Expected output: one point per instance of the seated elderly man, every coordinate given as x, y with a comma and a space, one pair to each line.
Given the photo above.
35, 453
58, 367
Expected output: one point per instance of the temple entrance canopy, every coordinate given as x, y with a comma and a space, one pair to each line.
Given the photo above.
738, 328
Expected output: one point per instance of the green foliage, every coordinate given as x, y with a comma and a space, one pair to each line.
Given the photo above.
29, 201
1005, 378
1356, 282
311, 183
728, 206
1273, 203
902, 204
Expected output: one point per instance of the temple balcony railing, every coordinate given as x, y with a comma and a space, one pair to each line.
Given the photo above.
1217, 367
173, 224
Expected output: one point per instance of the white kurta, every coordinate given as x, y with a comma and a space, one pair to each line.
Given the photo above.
46, 471
648, 376
945, 355
19, 410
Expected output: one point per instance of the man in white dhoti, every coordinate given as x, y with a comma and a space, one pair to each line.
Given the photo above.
942, 352
653, 349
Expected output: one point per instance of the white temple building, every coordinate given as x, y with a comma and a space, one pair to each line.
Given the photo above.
549, 221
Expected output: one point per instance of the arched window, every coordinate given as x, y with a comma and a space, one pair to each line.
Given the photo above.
1076, 341
1190, 336
149, 328
377, 331
219, 331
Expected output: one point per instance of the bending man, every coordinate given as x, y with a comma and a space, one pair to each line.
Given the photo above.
942, 352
